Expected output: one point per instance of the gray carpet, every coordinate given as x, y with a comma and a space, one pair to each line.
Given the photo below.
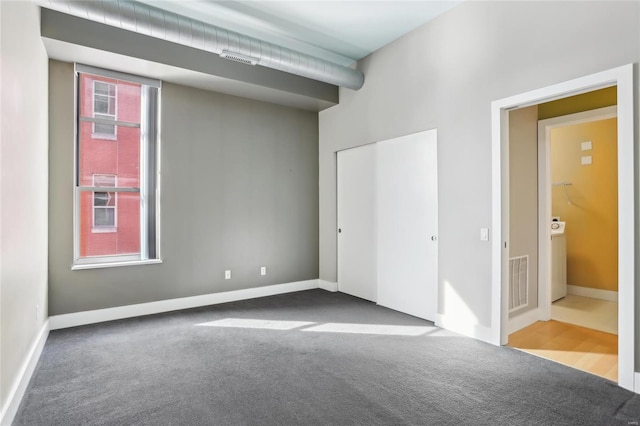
166, 370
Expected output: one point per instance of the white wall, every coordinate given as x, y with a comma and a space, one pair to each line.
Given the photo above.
23, 188
444, 75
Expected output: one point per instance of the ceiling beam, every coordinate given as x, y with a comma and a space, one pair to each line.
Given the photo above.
78, 31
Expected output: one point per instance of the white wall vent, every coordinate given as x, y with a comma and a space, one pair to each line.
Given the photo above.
518, 282
237, 57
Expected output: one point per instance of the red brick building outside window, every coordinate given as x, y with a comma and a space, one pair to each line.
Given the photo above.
109, 156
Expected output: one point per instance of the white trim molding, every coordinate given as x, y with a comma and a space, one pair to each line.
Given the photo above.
22, 381
465, 328
525, 319
328, 285
622, 78
594, 293
120, 312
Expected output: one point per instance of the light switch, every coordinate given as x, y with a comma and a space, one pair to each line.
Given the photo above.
586, 146
484, 234
586, 160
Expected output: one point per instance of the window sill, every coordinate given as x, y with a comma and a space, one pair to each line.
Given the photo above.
103, 229
104, 136
81, 266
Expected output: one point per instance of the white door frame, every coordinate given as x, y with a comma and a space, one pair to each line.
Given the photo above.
622, 77
544, 197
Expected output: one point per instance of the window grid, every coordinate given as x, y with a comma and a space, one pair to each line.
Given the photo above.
110, 200
104, 107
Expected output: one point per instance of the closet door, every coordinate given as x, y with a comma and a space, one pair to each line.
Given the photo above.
356, 222
407, 227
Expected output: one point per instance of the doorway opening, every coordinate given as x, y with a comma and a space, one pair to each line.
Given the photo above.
579, 188
577, 226
536, 298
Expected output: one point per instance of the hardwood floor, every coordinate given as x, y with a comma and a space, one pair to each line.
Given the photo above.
585, 349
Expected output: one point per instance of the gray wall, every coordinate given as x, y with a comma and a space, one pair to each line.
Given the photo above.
444, 75
523, 194
239, 191
23, 188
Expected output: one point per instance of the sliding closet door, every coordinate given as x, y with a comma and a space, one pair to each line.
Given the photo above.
356, 222
407, 209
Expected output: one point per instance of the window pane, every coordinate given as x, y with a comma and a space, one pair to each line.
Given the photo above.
100, 198
101, 88
119, 156
102, 95
104, 98
104, 216
101, 105
100, 129
104, 199
110, 229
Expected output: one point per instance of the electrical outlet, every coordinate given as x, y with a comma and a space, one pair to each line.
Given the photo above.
484, 234
263, 270
227, 274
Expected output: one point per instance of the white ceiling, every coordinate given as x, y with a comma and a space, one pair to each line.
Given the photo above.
336, 30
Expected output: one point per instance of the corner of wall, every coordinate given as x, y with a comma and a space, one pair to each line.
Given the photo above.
469, 329
328, 285
23, 378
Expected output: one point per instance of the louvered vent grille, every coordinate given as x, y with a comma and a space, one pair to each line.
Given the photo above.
238, 57
518, 282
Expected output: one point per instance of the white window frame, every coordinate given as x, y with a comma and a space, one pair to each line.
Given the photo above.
97, 229
149, 189
113, 117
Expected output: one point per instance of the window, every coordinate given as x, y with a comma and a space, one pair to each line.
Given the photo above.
104, 108
116, 185
104, 205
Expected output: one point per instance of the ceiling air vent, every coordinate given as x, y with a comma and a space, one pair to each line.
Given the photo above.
237, 57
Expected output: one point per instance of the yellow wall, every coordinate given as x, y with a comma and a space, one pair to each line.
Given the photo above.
592, 219
579, 103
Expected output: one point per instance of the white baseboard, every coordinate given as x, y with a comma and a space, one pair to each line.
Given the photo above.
469, 329
328, 285
523, 320
594, 293
129, 311
24, 376
636, 382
